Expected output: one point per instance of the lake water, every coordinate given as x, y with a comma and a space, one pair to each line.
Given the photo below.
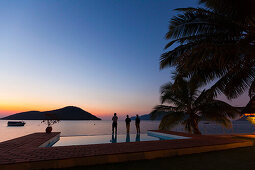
83, 128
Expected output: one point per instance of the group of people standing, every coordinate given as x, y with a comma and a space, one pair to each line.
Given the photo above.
128, 121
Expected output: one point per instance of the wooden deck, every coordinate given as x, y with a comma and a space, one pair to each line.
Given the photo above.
27, 152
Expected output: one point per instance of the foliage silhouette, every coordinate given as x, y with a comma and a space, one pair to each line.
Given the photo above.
216, 42
187, 105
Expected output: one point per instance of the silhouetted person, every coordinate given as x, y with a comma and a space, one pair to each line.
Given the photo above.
114, 138
137, 124
114, 123
128, 138
137, 138
128, 120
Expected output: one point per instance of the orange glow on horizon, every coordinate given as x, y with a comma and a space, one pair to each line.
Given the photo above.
9, 109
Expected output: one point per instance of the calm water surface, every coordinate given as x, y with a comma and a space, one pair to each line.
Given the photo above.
87, 140
73, 128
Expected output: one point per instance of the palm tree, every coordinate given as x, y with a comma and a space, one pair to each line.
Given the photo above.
186, 105
216, 42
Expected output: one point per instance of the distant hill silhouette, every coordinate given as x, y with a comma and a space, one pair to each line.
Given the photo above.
148, 117
242, 119
66, 113
162, 114
142, 117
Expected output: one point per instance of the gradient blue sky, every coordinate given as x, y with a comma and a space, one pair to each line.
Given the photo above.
100, 55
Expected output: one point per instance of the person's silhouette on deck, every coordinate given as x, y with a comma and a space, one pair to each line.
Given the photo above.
128, 120
114, 123
137, 124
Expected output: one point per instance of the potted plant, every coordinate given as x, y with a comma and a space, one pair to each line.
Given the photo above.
50, 119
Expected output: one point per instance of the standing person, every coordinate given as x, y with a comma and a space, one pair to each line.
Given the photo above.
137, 124
128, 120
114, 123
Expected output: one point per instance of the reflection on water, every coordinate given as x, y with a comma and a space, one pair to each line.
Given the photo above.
128, 137
87, 140
72, 128
114, 138
137, 138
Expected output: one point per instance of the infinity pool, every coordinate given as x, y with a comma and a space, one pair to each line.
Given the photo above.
100, 139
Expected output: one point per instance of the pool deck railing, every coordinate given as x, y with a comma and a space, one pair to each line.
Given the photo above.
31, 151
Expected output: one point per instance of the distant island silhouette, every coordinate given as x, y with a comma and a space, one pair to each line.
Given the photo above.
162, 114
66, 113
148, 116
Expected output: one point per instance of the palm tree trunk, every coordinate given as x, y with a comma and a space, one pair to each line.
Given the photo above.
194, 125
196, 129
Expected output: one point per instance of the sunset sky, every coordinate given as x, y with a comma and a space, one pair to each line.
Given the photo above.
100, 55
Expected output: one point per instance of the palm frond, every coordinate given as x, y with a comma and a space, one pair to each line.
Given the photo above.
175, 94
238, 9
216, 110
225, 122
171, 120
169, 58
161, 109
252, 89
192, 9
199, 21
239, 81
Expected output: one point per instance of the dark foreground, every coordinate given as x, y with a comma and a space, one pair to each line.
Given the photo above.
240, 158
